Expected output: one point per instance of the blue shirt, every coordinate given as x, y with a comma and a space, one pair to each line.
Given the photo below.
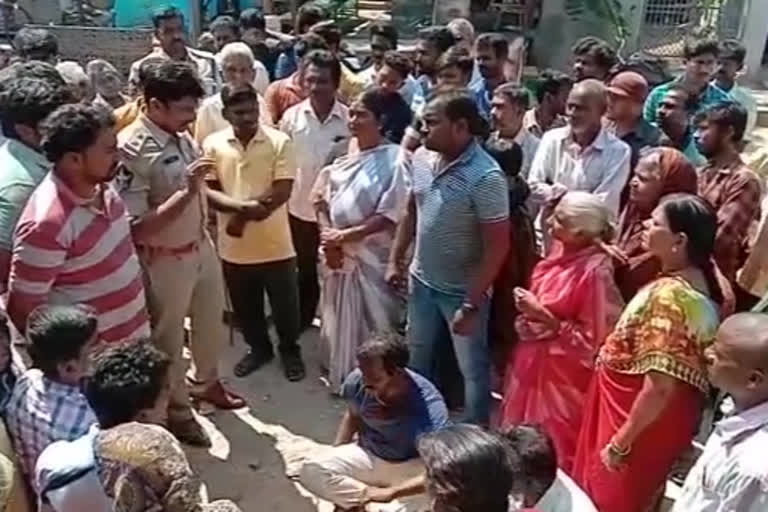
451, 204
286, 64
390, 433
482, 96
711, 95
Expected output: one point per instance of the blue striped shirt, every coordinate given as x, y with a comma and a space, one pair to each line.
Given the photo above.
451, 204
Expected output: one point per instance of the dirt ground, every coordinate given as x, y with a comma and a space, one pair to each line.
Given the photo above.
254, 448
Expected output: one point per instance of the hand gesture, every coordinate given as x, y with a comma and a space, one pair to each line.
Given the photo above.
395, 276
332, 236
611, 460
464, 322
196, 172
334, 256
527, 303
378, 495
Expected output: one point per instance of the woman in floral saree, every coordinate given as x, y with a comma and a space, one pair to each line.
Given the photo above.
358, 199
570, 308
650, 382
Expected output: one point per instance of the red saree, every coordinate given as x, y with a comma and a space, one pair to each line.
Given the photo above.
548, 373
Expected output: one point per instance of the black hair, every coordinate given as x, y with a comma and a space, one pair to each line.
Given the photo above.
166, 14
468, 469
695, 47
325, 60
31, 69
515, 94
398, 61
388, 347
307, 43
384, 29
225, 22
309, 14
27, 101
551, 81
459, 104
732, 49
73, 128
126, 379
456, 56
252, 18
509, 155
329, 31
171, 81
390, 110
695, 217
538, 459
604, 55
231, 96
726, 114
35, 43
497, 42
145, 66
438, 36
58, 334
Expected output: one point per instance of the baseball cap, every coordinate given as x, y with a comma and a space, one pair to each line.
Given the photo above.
630, 85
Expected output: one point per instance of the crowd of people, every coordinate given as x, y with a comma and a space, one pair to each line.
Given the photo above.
531, 296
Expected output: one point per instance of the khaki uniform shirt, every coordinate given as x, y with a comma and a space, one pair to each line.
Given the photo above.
204, 62
153, 167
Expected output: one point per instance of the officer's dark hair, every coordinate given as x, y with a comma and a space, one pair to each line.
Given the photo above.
166, 14
31, 69
726, 114
58, 334
146, 65
329, 31
696, 47
325, 60
27, 101
399, 62
225, 22
515, 94
388, 347
35, 43
172, 81
231, 96
602, 52
384, 29
496, 42
309, 14
307, 43
458, 104
438, 36
73, 128
551, 81
733, 50
456, 56
252, 18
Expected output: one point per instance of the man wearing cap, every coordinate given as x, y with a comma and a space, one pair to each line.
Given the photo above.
624, 115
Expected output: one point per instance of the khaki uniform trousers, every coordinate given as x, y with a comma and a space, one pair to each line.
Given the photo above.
180, 285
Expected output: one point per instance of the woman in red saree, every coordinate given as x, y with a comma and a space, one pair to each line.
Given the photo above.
650, 382
570, 308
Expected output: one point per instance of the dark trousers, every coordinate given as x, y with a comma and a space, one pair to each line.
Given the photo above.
306, 241
247, 284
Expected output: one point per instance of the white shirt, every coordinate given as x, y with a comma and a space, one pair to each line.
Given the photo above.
732, 473
529, 143
743, 96
313, 141
211, 120
601, 168
565, 496
71, 462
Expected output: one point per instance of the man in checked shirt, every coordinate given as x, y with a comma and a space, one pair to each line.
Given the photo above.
732, 188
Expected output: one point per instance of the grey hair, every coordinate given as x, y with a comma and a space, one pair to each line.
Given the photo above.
463, 28
72, 72
97, 67
592, 88
588, 215
236, 49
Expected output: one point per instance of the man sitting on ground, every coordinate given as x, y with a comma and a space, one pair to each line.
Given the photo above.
731, 473
389, 407
46, 405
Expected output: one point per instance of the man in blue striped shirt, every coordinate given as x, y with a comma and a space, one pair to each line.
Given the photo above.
458, 212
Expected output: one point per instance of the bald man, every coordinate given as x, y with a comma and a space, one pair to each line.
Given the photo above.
732, 473
582, 155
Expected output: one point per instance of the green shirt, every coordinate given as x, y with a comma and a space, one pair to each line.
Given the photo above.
21, 171
708, 97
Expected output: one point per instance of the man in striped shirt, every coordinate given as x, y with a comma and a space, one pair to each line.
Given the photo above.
73, 242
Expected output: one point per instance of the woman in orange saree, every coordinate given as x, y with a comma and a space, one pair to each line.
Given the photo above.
570, 308
650, 381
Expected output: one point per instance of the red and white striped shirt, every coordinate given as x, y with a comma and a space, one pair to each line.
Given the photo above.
68, 250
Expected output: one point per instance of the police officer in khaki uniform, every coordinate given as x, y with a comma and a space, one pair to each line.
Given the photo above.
161, 181
171, 42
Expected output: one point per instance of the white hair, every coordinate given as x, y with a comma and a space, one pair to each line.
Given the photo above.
588, 215
72, 72
463, 28
236, 49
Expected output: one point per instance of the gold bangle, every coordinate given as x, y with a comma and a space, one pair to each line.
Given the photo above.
612, 446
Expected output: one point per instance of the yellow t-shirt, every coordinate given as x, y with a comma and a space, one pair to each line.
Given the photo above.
350, 86
246, 173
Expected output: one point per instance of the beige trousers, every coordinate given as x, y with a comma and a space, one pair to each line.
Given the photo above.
191, 284
342, 473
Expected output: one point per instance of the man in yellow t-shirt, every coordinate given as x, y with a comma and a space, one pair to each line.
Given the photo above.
249, 189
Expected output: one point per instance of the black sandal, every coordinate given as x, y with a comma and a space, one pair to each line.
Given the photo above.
251, 362
293, 367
